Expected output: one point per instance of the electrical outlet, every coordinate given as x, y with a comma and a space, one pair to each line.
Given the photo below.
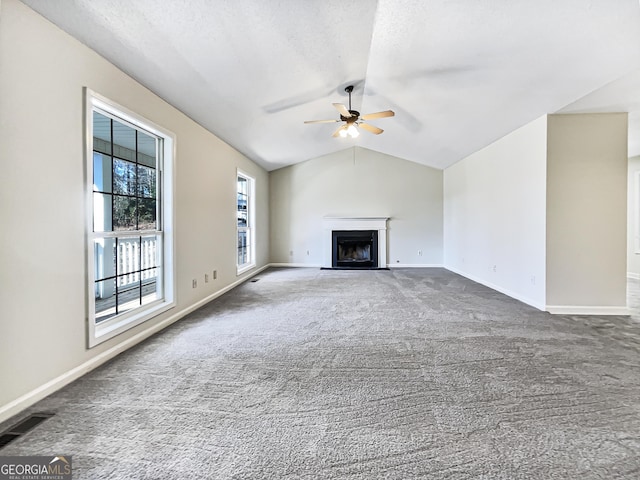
215, 274
206, 278
419, 253
307, 252
194, 283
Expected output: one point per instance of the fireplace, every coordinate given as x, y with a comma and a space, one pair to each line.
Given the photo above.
354, 249
362, 237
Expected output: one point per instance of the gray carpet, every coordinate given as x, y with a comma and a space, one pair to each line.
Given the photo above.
319, 374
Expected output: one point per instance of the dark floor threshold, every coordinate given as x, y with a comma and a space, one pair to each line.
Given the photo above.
23, 426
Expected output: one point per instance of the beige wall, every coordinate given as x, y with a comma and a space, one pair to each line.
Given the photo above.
633, 218
357, 182
586, 211
42, 242
494, 203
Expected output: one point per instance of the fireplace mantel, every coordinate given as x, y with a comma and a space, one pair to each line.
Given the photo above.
355, 223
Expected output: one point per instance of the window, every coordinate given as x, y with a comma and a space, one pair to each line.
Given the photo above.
246, 249
129, 191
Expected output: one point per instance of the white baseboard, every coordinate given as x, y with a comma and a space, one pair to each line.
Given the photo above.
633, 276
392, 265
586, 310
414, 265
295, 265
25, 401
498, 288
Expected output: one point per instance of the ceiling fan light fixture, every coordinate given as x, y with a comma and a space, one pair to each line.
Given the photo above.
343, 132
352, 131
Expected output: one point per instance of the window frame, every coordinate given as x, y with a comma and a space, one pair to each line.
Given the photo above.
250, 228
98, 333
636, 212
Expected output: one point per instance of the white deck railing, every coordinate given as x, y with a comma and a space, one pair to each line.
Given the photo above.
133, 256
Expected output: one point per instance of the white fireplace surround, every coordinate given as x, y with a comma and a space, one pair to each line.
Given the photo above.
354, 223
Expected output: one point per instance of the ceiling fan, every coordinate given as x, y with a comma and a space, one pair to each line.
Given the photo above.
353, 119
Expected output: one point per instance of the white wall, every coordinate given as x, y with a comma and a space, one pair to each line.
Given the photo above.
42, 244
633, 218
494, 221
357, 182
586, 213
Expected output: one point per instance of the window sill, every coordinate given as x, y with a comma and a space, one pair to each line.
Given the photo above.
103, 332
245, 268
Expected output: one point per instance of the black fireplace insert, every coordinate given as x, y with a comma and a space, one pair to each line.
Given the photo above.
354, 249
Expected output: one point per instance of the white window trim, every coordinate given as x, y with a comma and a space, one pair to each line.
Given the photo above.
240, 269
636, 213
98, 333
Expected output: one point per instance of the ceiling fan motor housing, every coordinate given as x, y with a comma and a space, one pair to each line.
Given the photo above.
355, 114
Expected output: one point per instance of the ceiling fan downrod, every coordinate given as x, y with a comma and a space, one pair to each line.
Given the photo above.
349, 89
354, 113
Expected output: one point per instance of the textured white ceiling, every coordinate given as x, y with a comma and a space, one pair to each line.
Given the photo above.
458, 73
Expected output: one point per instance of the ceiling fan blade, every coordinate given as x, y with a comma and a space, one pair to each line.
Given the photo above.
337, 132
370, 128
321, 121
371, 116
343, 110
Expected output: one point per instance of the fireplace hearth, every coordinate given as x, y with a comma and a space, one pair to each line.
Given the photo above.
355, 249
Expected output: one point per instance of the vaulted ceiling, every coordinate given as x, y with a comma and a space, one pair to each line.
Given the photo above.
459, 74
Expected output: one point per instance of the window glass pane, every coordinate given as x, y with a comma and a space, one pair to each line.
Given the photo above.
146, 214
242, 218
101, 172
105, 295
102, 211
242, 239
243, 251
124, 177
150, 286
146, 149
242, 209
242, 185
150, 251
105, 257
128, 261
101, 133
146, 182
124, 141
128, 296
124, 213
